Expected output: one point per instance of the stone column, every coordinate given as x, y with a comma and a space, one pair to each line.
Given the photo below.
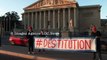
36, 20
32, 19
48, 19
24, 20
40, 20
44, 19
63, 18
53, 19
28, 19
69, 13
58, 19
75, 19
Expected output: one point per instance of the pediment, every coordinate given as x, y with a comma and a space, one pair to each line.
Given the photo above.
50, 3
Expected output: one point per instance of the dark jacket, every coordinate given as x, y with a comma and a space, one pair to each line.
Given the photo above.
96, 34
98, 42
30, 37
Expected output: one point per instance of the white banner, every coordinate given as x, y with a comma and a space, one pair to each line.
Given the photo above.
73, 44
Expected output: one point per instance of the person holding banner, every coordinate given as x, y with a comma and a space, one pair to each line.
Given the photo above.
97, 35
42, 35
30, 40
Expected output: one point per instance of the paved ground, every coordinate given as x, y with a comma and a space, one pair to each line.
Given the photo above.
8, 57
20, 53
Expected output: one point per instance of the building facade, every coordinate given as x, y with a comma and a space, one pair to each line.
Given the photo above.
61, 15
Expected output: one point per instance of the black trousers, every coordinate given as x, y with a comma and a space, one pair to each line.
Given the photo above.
97, 55
98, 48
31, 46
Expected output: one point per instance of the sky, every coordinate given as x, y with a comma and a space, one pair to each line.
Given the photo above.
18, 5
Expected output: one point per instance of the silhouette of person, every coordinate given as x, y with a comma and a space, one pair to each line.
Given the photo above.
42, 35
96, 34
30, 40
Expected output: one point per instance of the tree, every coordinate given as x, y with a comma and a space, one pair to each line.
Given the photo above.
11, 19
2, 19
